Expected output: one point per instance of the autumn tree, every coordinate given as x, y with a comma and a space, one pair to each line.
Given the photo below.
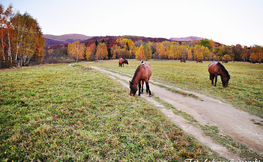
189, 53
245, 53
76, 50
219, 52
256, 54
229, 51
160, 50
140, 53
102, 52
206, 53
147, 51
226, 57
238, 50
90, 52
170, 52
6, 30
114, 51
28, 39
198, 52
211, 43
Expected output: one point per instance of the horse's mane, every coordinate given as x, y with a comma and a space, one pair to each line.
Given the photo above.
223, 68
136, 71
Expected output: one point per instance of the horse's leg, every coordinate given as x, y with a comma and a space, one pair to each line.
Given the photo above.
212, 79
215, 79
148, 88
139, 93
142, 86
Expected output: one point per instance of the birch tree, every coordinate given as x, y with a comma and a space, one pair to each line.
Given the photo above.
76, 50
28, 38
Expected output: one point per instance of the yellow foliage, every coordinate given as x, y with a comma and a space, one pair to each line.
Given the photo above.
140, 53
76, 50
102, 52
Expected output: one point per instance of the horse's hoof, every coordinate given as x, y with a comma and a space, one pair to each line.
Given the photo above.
150, 95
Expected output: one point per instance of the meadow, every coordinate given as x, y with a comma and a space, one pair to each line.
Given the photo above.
69, 113
245, 90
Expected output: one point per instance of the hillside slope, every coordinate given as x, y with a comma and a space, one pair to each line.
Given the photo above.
65, 37
186, 38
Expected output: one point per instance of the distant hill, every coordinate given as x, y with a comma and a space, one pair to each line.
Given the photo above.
51, 42
183, 39
109, 40
65, 37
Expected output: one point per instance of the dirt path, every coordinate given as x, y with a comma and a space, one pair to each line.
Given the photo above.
208, 111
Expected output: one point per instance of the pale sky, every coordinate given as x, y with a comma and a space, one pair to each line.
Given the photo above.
229, 22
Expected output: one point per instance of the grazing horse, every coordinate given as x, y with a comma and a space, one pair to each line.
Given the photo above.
122, 61
198, 60
225, 61
141, 74
215, 69
182, 60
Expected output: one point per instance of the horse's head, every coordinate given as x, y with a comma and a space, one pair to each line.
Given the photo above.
127, 62
225, 80
133, 88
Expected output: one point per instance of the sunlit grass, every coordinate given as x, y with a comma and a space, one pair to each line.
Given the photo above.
70, 113
245, 90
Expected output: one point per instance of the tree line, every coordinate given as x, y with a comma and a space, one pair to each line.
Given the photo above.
193, 50
21, 39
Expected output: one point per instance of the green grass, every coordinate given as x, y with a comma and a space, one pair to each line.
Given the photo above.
70, 113
244, 90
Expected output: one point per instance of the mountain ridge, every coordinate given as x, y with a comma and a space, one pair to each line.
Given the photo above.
63, 40
190, 38
65, 37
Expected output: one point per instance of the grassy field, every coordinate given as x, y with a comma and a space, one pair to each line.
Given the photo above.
245, 90
70, 113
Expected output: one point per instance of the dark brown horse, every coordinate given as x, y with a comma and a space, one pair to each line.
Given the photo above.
141, 74
225, 61
182, 60
198, 60
215, 69
122, 61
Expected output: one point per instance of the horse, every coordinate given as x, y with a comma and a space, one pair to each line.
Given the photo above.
141, 74
225, 61
215, 69
182, 60
198, 60
122, 61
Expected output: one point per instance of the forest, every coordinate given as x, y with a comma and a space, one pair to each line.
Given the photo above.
134, 47
21, 39
22, 43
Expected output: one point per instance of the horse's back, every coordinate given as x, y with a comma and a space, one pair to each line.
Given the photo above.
212, 67
121, 60
147, 71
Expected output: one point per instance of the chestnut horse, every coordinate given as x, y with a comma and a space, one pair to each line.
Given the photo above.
198, 60
182, 60
225, 61
122, 61
141, 74
215, 69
